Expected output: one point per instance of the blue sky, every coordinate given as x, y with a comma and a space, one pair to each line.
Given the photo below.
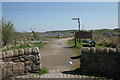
46, 16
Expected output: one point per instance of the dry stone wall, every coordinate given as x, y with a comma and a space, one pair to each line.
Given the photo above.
104, 61
20, 61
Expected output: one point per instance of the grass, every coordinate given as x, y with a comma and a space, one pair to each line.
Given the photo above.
43, 71
28, 45
77, 49
107, 45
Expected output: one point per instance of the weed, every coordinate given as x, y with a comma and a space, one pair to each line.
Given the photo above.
43, 71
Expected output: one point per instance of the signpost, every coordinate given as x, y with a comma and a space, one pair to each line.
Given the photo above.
82, 35
78, 22
78, 25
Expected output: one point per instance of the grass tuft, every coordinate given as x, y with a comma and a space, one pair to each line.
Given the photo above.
43, 71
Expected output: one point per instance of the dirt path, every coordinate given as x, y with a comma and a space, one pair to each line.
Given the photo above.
56, 55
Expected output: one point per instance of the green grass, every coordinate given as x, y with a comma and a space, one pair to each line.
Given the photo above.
77, 49
40, 45
106, 45
43, 71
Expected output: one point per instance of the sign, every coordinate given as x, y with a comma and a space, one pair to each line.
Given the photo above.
83, 35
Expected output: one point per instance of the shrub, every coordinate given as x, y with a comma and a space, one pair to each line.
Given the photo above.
43, 71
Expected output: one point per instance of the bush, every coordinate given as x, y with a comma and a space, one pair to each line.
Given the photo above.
8, 33
43, 71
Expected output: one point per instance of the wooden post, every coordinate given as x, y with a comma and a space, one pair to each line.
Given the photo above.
75, 39
117, 41
91, 34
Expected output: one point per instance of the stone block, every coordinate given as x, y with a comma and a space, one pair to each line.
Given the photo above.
118, 50
39, 55
92, 50
21, 51
7, 59
38, 58
27, 51
105, 50
35, 51
112, 50
6, 73
8, 65
28, 62
85, 50
37, 62
27, 68
0, 55
3, 55
22, 59
34, 68
18, 68
15, 52
9, 53
99, 50
30, 58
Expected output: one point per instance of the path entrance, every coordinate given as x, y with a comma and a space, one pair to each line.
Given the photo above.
56, 56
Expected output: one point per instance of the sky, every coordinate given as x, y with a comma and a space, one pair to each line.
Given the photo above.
47, 16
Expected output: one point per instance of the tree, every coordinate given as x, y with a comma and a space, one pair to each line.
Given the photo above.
8, 32
0, 33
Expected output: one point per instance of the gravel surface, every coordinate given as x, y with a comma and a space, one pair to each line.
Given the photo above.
56, 55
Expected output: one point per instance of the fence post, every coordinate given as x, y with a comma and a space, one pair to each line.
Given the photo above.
75, 38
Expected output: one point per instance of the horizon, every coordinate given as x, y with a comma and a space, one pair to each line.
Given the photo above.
50, 16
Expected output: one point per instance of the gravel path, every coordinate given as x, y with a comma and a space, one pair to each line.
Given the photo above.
56, 55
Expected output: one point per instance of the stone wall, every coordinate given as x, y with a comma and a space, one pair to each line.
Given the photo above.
20, 61
101, 61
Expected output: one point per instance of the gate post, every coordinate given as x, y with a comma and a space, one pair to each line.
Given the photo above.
75, 38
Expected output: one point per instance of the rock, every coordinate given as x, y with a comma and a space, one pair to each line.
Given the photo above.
2, 65
118, 50
1, 60
35, 51
15, 52
9, 53
6, 73
16, 60
85, 50
34, 68
7, 59
15, 68
39, 56
105, 50
21, 51
8, 65
38, 66
18, 68
28, 62
30, 58
0, 55
99, 50
27, 51
112, 50
21, 68
22, 59
37, 62
27, 68
92, 50
3, 55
